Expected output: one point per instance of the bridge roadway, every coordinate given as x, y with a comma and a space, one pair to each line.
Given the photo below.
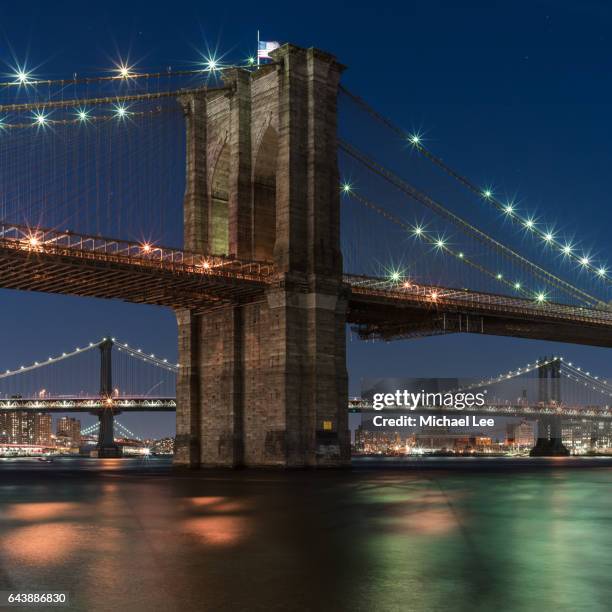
87, 404
508, 410
63, 262
168, 404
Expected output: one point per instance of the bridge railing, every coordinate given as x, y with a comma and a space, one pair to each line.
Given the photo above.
67, 243
507, 409
142, 404
50, 241
443, 296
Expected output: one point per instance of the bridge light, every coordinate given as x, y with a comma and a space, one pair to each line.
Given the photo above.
460, 255
418, 230
124, 71
530, 223
212, 63
540, 297
22, 76
440, 243
415, 139
121, 111
146, 247
407, 285
347, 187
487, 194
517, 285
33, 241
251, 60
509, 209
83, 115
567, 249
395, 275
602, 271
548, 237
40, 119
434, 296
499, 276
584, 260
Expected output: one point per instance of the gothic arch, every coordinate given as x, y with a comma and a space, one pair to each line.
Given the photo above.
264, 196
219, 200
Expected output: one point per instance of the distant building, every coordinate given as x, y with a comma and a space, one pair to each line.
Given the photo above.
163, 446
429, 439
521, 435
378, 441
602, 436
21, 427
579, 435
68, 432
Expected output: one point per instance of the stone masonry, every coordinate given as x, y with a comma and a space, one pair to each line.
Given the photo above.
264, 383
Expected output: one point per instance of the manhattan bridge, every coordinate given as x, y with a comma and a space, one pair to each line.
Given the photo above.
293, 209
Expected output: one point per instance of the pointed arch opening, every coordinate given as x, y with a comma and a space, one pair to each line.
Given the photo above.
264, 196
219, 218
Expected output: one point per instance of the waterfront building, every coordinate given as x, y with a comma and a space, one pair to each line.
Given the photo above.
22, 427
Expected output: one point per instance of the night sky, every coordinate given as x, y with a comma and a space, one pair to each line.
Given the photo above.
515, 93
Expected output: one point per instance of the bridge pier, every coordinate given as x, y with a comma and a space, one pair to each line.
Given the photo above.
264, 383
549, 442
106, 417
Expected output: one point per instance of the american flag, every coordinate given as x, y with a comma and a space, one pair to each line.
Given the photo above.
263, 51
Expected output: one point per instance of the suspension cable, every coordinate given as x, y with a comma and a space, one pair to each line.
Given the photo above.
105, 100
50, 360
121, 78
442, 211
547, 237
147, 358
412, 229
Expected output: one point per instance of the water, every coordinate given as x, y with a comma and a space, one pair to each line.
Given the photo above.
419, 535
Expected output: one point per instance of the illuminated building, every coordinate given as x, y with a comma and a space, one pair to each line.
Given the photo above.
520, 435
68, 430
163, 446
21, 427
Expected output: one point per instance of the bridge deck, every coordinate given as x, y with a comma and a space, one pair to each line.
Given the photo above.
64, 262
382, 310
92, 266
90, 404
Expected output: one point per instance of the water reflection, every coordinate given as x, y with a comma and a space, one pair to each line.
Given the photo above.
476, 539
39, 545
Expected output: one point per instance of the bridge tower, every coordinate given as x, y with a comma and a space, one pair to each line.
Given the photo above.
264, 383
549, 442
106, 417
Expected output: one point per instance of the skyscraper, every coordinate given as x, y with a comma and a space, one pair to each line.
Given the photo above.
68, 431
21, 427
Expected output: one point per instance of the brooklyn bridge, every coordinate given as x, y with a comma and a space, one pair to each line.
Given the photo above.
279, 251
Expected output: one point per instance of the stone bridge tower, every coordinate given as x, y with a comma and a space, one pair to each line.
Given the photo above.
265, 383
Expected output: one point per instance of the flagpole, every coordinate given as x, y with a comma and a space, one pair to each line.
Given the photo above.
258, 47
